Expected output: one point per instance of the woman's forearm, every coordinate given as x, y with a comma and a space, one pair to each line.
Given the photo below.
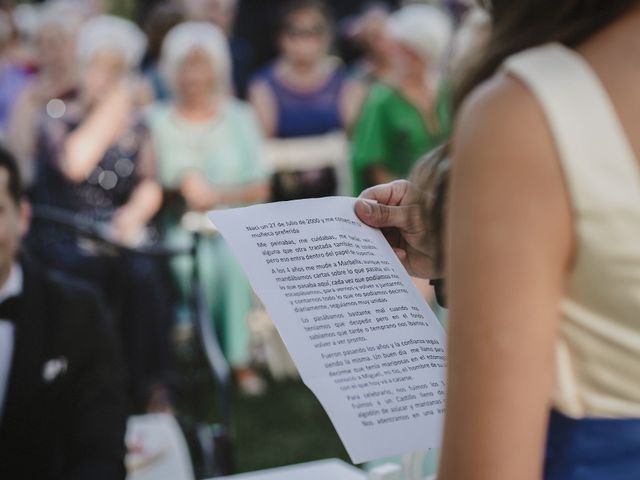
251, 193
86, 146
145, 200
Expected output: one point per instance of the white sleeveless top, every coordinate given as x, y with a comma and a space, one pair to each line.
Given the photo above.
598, 344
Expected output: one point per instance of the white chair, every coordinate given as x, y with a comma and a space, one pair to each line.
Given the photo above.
157, 449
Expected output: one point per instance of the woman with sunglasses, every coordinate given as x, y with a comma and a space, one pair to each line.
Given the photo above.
303, 101
542, 247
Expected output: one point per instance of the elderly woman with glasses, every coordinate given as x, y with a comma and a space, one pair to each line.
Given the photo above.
209, 156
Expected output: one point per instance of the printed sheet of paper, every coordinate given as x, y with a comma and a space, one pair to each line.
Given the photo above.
362, 337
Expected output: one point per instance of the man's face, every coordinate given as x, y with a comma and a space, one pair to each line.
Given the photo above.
14, 221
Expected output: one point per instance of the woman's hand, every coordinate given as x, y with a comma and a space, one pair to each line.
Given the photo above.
398, 212
198, 194
85, 147
127, 226
130, 220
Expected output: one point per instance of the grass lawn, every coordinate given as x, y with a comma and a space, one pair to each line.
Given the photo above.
285, 426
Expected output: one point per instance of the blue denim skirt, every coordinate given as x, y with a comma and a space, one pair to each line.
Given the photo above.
592, 449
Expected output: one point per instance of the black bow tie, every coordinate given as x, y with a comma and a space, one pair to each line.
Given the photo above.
10, 308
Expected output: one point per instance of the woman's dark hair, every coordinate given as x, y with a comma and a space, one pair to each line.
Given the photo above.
158, 23
295, 6
522, 24
8, 163
431, 175
516, 26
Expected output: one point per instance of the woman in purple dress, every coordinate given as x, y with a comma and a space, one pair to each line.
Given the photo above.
303, 100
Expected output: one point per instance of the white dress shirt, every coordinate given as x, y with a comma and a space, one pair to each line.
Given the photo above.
11, 288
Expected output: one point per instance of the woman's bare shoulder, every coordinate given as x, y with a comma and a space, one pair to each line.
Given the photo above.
502, 117
503, 149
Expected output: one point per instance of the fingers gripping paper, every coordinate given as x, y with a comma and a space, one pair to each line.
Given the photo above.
361, 335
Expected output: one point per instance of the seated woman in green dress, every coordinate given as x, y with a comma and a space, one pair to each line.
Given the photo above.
408, 116
209, 151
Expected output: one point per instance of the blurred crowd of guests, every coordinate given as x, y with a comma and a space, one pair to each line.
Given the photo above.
208, 104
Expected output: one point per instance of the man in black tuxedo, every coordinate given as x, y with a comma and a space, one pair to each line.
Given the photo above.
62, 400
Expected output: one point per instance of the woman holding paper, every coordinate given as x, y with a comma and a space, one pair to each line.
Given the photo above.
543, 257
209, 156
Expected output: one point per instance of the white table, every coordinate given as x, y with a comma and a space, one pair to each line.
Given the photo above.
321, 470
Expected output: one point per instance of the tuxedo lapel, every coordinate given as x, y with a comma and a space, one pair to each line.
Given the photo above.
29, 353
61, 409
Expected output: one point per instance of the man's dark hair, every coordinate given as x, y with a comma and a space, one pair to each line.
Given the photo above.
8, 163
